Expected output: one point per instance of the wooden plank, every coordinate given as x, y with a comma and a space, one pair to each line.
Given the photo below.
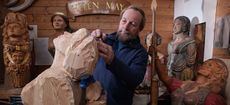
45, 33
221, 53
52, 10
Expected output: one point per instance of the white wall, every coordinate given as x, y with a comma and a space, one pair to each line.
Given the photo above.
189, 8
199, 11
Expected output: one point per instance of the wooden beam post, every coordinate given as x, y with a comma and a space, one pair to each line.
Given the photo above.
154, 82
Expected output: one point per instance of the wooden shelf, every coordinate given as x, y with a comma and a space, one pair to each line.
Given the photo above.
221, 53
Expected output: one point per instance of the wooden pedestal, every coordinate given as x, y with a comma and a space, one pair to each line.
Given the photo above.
6, 93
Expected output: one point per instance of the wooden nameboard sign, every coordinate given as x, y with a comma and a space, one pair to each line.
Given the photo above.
90, 7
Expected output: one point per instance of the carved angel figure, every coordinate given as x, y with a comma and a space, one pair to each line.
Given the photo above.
75, 56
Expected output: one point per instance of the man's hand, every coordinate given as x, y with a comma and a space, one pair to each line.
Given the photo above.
98, 34
105, 51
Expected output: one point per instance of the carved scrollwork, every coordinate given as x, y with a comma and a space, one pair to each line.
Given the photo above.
12, 5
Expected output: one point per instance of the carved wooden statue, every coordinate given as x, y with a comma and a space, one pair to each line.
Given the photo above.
207, 89
16, 50
75, 57
5, 7
182, 51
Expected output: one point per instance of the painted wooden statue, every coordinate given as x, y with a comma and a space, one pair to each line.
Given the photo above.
207, 88
75, 56
60, 23
16, 50
181, 51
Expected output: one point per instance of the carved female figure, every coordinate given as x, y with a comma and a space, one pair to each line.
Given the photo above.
181, 51
60, 24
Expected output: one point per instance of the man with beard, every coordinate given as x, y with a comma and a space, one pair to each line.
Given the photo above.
122, 63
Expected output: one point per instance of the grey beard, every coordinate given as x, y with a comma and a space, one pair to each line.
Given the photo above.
127, 39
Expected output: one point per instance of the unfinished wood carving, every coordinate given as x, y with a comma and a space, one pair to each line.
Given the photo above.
75, 56
16, 51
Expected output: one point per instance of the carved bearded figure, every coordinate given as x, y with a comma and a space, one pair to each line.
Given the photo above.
16, 50
206, 89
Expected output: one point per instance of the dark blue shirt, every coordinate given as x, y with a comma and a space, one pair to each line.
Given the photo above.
125, 73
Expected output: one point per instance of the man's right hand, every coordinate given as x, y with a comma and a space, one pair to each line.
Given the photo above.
105, 50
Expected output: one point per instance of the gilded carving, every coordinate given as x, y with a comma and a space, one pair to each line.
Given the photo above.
16, 49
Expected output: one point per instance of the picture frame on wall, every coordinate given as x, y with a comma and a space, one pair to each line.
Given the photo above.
199, 35
221, 47
221, 44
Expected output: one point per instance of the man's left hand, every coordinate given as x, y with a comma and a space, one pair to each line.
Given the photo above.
106, 52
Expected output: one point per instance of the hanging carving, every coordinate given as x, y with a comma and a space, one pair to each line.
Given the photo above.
14, 6
16, 50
